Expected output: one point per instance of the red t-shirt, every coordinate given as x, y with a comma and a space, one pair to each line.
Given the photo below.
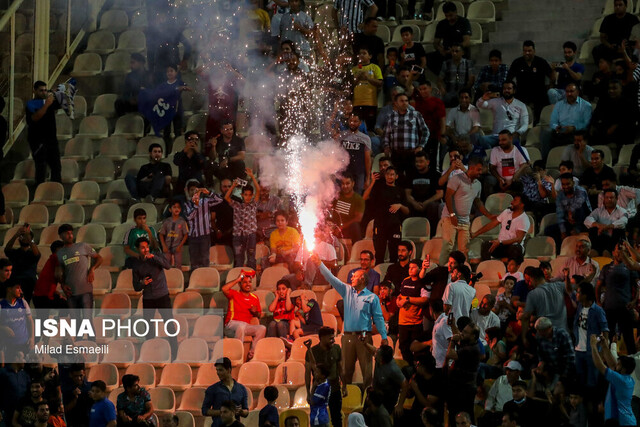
281, 312
47, 283
432, 110
239, 305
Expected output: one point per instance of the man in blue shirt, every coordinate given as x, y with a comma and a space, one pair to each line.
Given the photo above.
103, 412
361, 307
366, 264
617, 405
569, 115
224, 390
568, 71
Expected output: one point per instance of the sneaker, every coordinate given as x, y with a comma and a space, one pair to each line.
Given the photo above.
379, 18
392, 18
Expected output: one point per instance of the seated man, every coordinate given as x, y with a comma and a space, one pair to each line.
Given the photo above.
134, 404
627, 199
572, 208
366, 265
615, 28
591, 179
568, 71
227, 153
464, 120
492, 76
606, 224
579, 153
153, 179
506, 164
613, 122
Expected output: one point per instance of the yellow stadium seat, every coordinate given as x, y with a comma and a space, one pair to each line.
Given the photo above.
254, 375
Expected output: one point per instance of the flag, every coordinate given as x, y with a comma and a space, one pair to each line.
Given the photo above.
159, 105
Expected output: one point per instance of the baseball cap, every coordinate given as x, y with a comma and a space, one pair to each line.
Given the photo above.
514, 366
225, 362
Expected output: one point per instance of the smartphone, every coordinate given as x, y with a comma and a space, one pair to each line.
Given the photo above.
450, 318
418, 69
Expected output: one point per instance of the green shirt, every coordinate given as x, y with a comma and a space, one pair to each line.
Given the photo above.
330, 359
134, 234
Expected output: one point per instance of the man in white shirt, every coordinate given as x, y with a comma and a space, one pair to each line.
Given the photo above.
506, 164
500, 393
514, 225
607, 224
463, 120
441, 332
458, 294
508, 113
484, 317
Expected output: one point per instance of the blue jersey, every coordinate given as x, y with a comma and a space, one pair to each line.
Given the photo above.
102, 413
319, 413
15, 318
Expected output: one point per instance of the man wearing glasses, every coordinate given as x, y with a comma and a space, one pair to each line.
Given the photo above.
514, 224
190, 161
508, 113
366, 265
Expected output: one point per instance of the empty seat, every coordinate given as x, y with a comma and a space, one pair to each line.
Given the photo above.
542, 248
114, 20
149, 208
16, 195
94, 127
156, 352
416, 229
164, 401
254, 375
101, 42
64, 127
37, 216
116, 304
104, 105
299, 350
492, 270
101, 281
121, 353
481, 221
79, 105
116, 148
481, 11
142, 149
204, 280
87, 64
271, 275
176, 376
353, 400
146, 372
295, 375
70, 213
100, 170
358, 247
209, 328
331, 297
132, 166
70, 171
192, 400
78, 149
476, 36
188, 304
132, 41
85, 193
24, 172
175, 280
197, 122
270, 351
330, 320
498, 202
48, 235
124, 284
113, 258
232, 348
49, 194
206, 375
117, 63
117, 193
90, 359
106, 372
221, 257
193, 351
107, 214
93, 234
130, 126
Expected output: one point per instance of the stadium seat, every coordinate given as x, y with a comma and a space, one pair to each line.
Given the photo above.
492, 270
187, 419
114, 20
156, 352
193, 351
94, 127
192, 400
343, 273
64, 127
197, 122
175, 280
113, 257
78, 149
142, 148
542, 248
299, 350
416, 229
16, 195
106, 372
295, 375
146, 372
117, 193
9, 234
476, 35
93, 234
498, 202
90, 359
188, 304
528, 262
329, 301
555, 157
70, 213
353, 400
101, 282
206, 375
585, 56
232, 348
70, 171
113, 395
132, 41
130, 126
37, 216
330, 320
481, 11
204, 280
86, 65
107, 214
164, 401
48, 235
253, 419
25, 172
624, 156
602, 260
481, 221
384, 33
221, 257
79, 105
546, 221
116, 304
85, 193
481, 290
49, 194
440, 13
558, 263
255, 374
271, 275
358, 247
266, 297
568, 247
300, 399
282, 403
149, 208
101, 42
209, 327
176, 376
124, 283
270, 351
104, 105
121, 353
118, 234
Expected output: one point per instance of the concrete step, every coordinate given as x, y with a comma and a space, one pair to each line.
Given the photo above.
550, 25
538, 36
553, 14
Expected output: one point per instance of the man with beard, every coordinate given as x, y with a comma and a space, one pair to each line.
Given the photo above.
358, 145
423, 191
613, 120
568, 71
579, 152
508, 113
593, 176
25, 414
569, 115
222, 218
227, 153
411, 300
400, 269
76, 397
438, 278
572, 208
607, 223
42, 415
153, 179
348, 209
507, 163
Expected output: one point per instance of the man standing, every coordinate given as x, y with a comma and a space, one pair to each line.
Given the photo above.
153, 179
567, 72
508, 114
227, 389
41, 122
400, 269
452, 29
358, 145
484, 317
348, 209
76, 394
136, 79
423, 191
545, 300
572, 208
16, 323
614, 30
456, 73
349, 15
506, 164
405, 133
411, 299
75, 269
24, 259
438, 278
461, 382
607, 223
190, 161
569, 115
366, 265
227, 154
578, 152
463, 192
369, 38
243, 306
198, 211
361, 307
434, 113
103, 411
530, 72
514, 226
458, 294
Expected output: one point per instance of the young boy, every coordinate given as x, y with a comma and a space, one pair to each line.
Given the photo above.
245, 222
308, 318
198, 211
368, 79
282, 309
412, 53
512, 268
44, 294
228, 414
103, 412
578, 412
269, 414
173, 83
139, 230
173, 235
320, 397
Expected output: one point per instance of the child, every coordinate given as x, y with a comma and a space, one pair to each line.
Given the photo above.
45, 294
282, 309
173, 83
412, 53
296, 25
368, 79
308, 318
279, 7
504, 309
269, 414
173, 235
245, 222
141, 229
512, 268
578, 412
198, 212
320, 397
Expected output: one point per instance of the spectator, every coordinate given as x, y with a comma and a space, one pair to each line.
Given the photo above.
135, 80
284, 241
25, 413
376, 414
387, 376
24, 259
228, 414
268, 205
282, 309
453, 29
348, 209
423, 192
198, 211
390, 207
328, 354
463, 122
141, 229
245, 223
173, 235
627, 200
369, 38
339, 119
358, 318
397, 271
269, 413
555, 348
463, 192
227, 154
227, 389
243, 306
103, 412
545, 300
514, 226
572, 208
613, 122
221, 228
358, 145
296, 25
579, 153
296, 278
164, 35
307, 320
441, 333
506, 164
569, 115
349, 14
134, 403
607, 224
412, 296
437, 279
412, 54
389, 307
484, 317
75, 270
530, 412
457, 159
566, 166
508, 114
504, 307
537, 190
458, 294
591, 179
44, 418
319, 397
166, 88
77, 397
567, 72
368, 79
491, 77
530, 72
434, 114
190, 161
615, 28
461, 382
500, 393
426, 386
617, 405
366, 265
456, 73
41, 135
153, 180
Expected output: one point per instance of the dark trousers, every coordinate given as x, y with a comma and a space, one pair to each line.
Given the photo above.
177, 131
123, 107
335, 408
459, 399
368, 114
604, 241
199, 251
502, 251
386, 8
403, 160
44, 302
163, 305
47, 154
622, 318
138, 190
386, 236
406, 335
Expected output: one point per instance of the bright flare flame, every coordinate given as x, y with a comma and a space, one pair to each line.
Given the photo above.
308, 222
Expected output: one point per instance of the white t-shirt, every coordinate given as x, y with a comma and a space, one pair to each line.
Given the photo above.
511, 225
484, 322
507, 163
459, 296
441, 334
581, 345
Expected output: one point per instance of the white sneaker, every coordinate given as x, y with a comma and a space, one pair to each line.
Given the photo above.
392, 18
379, 18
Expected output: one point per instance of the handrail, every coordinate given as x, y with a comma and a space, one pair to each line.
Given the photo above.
9, 13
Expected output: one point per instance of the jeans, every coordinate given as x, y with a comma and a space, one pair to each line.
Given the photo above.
387, 235
624, 320
586, 371
278, 328
449, 234
238, 329
199, 251
501, 252
163, 304
83, 302
241, 245
555, 95
406, 335
138, 190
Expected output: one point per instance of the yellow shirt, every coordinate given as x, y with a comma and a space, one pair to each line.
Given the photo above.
281, 243
366, 94
262, 16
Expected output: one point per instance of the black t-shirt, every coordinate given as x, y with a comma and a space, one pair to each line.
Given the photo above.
450, 34
231, 149
465, 367
618, 29
532, 413
413, 55
423, 185
224, 216
44, 130
590, 177
374, 43
397, 273
153, 169
383, 197
434, 386
24, 263
530, 79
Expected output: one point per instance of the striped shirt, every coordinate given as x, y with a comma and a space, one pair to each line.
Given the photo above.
636, 77
351, 13
199, 216
406, 131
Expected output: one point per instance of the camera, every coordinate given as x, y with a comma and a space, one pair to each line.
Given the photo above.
241, 182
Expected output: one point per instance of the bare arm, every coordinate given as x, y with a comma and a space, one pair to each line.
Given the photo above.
227, 287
